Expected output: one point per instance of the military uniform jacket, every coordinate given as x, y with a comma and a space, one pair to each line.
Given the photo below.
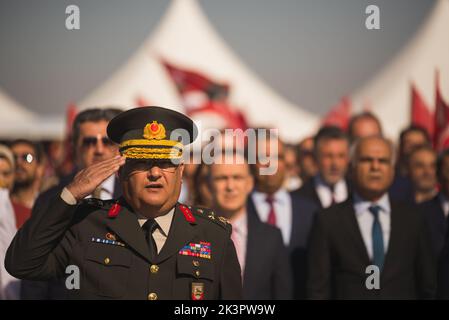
105, 241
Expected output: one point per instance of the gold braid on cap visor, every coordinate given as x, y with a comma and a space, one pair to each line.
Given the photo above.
151, 149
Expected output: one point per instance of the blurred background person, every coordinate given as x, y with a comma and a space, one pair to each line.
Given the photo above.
289, 211
370, 230
260, 249
292, 180
364, 124
7, 167
422, 173
9, 286
331, 152
202, 195
30, 165
306, 160
91, 145
436, 212
409, 139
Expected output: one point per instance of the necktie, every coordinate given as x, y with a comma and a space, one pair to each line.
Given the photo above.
148, 227
377, 238
272, 214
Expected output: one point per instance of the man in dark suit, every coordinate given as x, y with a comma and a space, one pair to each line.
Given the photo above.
368, 247
289, 211
262, 255
436, 212
144, 245
90, 145
329, 186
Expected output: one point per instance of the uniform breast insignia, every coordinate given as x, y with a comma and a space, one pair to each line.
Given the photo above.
197, 291
187, 213
111, 236
108, 241
201, 250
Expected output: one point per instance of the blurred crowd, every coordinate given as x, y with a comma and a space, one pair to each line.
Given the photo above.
338, 202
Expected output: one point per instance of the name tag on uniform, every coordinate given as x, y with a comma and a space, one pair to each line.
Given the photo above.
201, 250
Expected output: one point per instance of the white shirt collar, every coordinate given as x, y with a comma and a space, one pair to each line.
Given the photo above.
164, 221
361, 205
240, 225
281, 196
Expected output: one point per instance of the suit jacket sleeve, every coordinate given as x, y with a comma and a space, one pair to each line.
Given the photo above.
425, 264
41, 248
319, 261
231, 279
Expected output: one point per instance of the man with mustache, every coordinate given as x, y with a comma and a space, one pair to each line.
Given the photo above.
144, 245
370, 247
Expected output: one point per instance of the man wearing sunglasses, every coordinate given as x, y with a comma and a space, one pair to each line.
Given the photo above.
144, 245
90, 146
29, 170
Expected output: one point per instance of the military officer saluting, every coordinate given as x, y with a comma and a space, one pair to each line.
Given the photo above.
144, 245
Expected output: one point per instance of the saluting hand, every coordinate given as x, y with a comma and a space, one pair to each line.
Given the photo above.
91, 177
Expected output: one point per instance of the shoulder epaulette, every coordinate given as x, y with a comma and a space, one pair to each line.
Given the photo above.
210, 215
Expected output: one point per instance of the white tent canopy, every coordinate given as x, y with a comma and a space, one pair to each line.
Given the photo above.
186, 38
18, 122
389, 92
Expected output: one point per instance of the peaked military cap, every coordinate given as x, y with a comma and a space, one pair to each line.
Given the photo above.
152, 133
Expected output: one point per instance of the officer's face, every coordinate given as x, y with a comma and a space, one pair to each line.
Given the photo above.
151, 185
231, 185
93, 144
373, 169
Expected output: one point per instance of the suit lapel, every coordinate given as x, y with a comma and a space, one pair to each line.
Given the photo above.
393, 243
350, 220
127, 227
181, 232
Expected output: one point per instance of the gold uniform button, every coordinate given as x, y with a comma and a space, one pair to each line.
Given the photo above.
154, 268
196, 263
152, 296
197, 273
107, 260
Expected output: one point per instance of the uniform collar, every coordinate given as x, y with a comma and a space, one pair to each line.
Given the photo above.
164, 221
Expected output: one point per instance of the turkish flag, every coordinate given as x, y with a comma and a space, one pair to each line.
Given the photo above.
203, 96
191, 81
441, 137
339, 114
420, 113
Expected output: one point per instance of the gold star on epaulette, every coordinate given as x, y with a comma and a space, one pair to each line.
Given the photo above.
211, 215
224, 220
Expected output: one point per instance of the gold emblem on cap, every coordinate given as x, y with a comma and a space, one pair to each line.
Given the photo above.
154, 130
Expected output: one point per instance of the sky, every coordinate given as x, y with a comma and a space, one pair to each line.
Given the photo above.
312, 52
